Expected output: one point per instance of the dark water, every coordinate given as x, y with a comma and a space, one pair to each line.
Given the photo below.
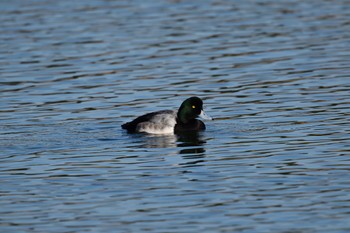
274, 74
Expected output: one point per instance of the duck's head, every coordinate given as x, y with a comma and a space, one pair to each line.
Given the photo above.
190, 109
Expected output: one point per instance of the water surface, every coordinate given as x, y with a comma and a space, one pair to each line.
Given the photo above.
274, 75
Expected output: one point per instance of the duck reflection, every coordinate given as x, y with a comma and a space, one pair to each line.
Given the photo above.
191, 145
191, 142
194, 141
193, 148
160, 141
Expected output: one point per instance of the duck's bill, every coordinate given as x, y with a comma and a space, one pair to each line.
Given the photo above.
204, 116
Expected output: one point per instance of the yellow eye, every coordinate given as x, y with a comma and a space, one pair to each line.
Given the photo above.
193, 106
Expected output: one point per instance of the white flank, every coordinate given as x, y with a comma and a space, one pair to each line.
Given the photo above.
163, 123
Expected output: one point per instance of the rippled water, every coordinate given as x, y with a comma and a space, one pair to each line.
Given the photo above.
274, 74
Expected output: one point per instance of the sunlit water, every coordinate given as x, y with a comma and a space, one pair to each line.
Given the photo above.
273, 74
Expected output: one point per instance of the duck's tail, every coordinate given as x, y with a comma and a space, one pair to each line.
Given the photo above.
129, 126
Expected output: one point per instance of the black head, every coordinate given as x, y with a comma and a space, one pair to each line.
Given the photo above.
190, 109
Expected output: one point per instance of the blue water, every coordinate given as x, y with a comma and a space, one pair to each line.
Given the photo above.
273, 74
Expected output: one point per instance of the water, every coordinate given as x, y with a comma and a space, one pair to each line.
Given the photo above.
274, 74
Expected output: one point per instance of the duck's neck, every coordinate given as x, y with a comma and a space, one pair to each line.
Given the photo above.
184, 116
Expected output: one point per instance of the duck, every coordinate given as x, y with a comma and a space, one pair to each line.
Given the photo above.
171, 121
